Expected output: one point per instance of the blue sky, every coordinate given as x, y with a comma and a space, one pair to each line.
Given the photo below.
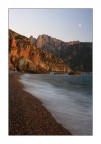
64, 24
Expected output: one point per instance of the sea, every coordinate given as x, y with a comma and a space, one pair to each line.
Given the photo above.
67, 97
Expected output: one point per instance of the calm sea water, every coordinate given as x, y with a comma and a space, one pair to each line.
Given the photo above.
67, 97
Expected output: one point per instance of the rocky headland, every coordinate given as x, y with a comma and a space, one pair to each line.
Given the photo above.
26, 57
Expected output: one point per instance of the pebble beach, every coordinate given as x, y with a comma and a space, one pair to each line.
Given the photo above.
27, 115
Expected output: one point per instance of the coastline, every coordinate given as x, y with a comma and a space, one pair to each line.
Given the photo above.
27, 115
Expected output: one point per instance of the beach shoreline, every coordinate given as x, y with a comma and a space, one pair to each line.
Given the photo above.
27, 115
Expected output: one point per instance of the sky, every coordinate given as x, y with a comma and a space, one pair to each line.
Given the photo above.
64, 24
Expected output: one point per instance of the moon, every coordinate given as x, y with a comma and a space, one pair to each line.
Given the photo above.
80, 25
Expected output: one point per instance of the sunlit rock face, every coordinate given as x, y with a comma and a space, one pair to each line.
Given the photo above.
25, 56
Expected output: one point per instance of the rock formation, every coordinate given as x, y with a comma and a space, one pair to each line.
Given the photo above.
78, 55
25, 56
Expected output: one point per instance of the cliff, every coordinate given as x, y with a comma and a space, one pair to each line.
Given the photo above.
78, 55
27, 57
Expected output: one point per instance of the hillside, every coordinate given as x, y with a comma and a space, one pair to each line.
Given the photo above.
26, 57
78, 55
